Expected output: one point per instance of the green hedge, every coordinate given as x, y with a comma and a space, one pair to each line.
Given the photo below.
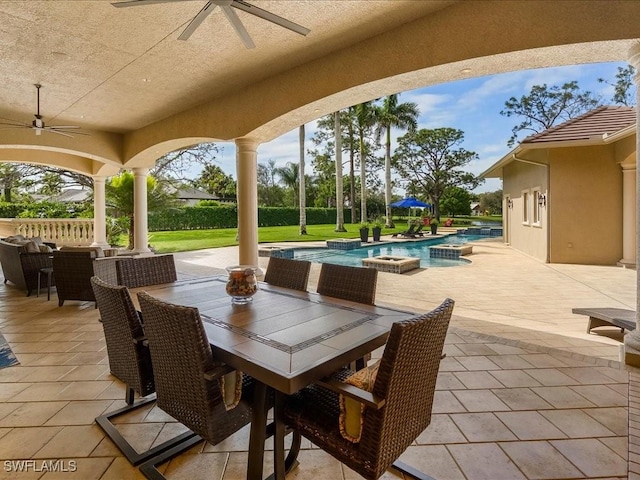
200, 218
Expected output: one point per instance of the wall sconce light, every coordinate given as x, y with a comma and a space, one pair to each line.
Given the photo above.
542, 200
509, 203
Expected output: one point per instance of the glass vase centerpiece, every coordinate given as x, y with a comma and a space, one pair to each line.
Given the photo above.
242, 283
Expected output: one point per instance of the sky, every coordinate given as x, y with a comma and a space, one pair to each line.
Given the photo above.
472, 105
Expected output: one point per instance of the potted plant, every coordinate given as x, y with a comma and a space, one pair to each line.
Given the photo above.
377, 229
364, 232
434, 225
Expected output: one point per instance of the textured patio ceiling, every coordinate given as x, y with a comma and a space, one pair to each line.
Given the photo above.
122, 75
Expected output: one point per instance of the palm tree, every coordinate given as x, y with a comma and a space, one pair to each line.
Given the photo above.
391, 114
289, 175
303, 212
120, 197
365, 116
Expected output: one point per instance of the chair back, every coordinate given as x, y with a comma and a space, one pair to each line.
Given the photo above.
355, 284
406, 380
287, 273
181, 356
129, 358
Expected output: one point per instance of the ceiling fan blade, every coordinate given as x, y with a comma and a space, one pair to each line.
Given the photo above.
135, 3
238, 27
272, 17
197, 20
53, 131
15, 124
62, 126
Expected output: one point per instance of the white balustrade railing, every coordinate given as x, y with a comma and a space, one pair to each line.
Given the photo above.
61, 231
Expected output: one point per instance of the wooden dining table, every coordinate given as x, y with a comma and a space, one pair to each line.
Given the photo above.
285, 339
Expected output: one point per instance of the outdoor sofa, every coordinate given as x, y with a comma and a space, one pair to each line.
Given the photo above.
22, 261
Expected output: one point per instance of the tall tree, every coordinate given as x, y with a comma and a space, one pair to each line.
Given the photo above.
365, 116
120, 197
398, 115
545, 107
339, 191
302, 195
624, 91
290, 177
176, 164
430, 162
214, 181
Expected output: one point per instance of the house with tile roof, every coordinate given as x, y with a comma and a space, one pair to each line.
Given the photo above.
569, 192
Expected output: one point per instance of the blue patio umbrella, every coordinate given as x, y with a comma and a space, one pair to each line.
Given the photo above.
409, 202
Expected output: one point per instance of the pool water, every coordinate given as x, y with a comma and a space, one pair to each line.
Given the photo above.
419, 249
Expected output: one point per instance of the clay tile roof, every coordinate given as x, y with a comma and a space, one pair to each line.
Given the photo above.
596, 123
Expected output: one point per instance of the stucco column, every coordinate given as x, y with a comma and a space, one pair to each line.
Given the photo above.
247, 194
99, 213
629, 232
141, 228
632, 339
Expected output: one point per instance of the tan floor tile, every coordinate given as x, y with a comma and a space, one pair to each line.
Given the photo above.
140, 435
7, 408
562, 397
169, 432
620, 445
602, 395
482, 427
587, 375
543, 360
551, 376
576, 423
475, 349
478, 380
540, 460
446, 402
592, 457
484, 461
32, 414
46, 374
37, 392
121, 469
441, 430
530, 425
84, 390
197, 467
515, 378
615, 419
85, 372
237, 442
86, 469
480, 400
80, 413
478, 363
451, 364
521, 399
618, 376
434, 461
448, 381
72, 442
22, 443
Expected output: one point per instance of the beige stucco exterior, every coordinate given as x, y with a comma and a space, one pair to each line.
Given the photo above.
582, 216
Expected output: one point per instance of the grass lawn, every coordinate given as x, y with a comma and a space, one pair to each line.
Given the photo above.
186, 240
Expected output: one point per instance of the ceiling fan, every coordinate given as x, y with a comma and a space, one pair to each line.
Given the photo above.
38, 123
227, 7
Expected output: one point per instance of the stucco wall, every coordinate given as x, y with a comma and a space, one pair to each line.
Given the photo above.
529, 237
585, 206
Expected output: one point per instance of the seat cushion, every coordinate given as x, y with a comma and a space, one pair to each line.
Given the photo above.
352, 411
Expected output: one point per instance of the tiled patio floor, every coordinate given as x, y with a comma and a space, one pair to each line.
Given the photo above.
524, 392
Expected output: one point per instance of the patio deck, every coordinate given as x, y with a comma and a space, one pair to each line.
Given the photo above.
524, 392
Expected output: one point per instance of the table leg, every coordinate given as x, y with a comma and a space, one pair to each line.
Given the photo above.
38, 291
278, 436
258, 432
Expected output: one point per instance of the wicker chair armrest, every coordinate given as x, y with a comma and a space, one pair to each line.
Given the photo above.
351, 391
218, 372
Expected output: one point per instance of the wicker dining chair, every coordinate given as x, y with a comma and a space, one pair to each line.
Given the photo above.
356, 284
284, 272
398, 409
187, 378
129, 361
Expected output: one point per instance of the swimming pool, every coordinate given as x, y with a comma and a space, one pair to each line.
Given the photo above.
419, 249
